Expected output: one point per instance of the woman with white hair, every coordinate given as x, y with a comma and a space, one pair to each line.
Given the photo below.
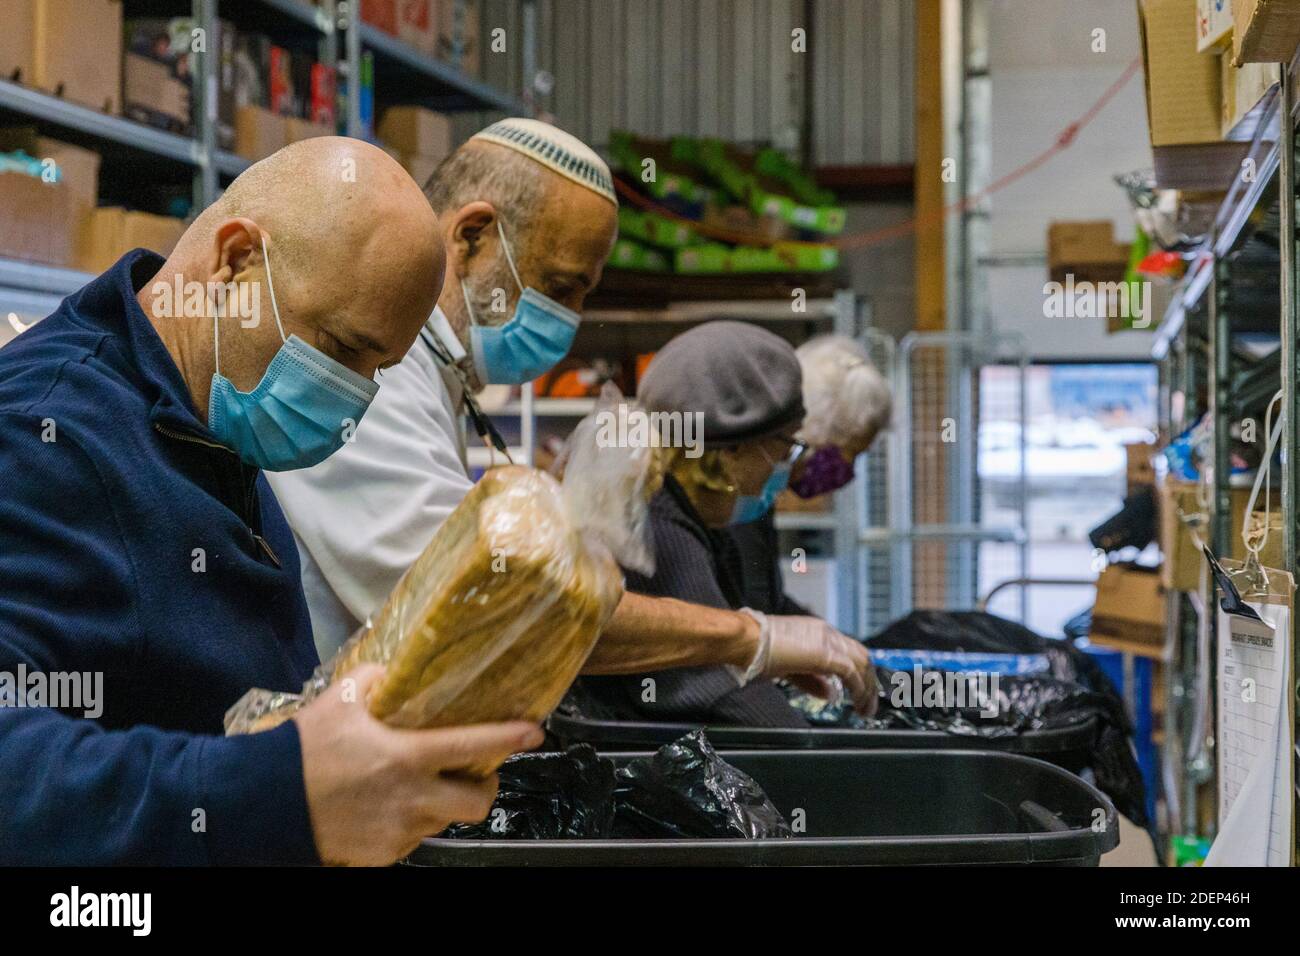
847, 404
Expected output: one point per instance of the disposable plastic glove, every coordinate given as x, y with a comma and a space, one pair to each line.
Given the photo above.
816, 658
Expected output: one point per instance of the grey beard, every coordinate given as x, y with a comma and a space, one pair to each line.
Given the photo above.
480, 299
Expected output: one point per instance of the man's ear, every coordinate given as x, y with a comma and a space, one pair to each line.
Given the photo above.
236, 247
472, 225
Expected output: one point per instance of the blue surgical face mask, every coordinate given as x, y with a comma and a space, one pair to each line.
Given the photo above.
300, 413
534, 339
752, 507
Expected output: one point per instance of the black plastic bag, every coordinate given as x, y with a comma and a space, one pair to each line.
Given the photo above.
549, 796
685, 790
1133, 526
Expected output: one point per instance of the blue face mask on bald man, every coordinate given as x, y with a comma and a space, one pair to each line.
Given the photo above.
301, 411
530, 343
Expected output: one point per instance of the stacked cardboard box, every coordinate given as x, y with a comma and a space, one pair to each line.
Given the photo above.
17, 41
32, 208
1129, 613
109, 232
458, 35
1139, 472
1265, 31
417, 24
1213, 25
1181, 570
44, 198
259, 132
381, 14
1086, 250
1244, 91
71, 48
280, 96
1184, 101
417, 138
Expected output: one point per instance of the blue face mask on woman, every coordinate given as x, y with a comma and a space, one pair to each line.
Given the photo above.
752, 507
534, 339
300, 412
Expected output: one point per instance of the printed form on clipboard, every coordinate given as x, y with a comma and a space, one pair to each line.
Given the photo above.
1254, 716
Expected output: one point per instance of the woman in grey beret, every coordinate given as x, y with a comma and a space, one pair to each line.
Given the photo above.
743, 385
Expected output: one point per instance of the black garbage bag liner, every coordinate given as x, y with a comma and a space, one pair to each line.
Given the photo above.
1020, 704
1077, 689
549, 796
685, 790
980, 632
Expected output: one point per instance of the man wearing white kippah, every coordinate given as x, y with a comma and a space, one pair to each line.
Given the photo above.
528, 216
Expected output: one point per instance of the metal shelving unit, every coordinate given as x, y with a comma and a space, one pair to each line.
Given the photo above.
340, 39
1220, 298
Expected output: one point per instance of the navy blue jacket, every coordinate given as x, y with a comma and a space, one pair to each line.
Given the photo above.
133, 545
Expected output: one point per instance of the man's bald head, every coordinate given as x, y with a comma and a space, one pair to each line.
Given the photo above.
355, 255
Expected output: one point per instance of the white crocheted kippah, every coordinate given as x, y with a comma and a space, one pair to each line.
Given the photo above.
555, 149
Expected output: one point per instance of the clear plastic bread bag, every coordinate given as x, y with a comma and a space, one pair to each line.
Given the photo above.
498, 614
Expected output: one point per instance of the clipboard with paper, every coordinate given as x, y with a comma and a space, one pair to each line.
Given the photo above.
1253, 663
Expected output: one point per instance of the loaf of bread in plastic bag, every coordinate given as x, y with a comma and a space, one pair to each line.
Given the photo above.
496, 617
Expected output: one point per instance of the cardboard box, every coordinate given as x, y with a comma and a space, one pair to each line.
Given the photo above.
298, 129
458, 37
39, 219
152, 94
1184, 101
1213, 24
420, 167
1130, 607
1139, 471
77, 53
381, 14
259, 132
1265, 31
109, 232
1181, 570
417, 24
1182, 86
1086, 250
78, 168
1205, 167
17, 39
415, 130
1244, 89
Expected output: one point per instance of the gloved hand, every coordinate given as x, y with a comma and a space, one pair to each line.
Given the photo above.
816, 658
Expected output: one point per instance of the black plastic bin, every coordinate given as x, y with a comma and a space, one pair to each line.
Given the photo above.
1068, 747
862, 808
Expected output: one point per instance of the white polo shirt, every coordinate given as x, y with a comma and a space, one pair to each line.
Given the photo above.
363, 516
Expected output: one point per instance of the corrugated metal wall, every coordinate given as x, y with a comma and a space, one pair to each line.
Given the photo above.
719, 68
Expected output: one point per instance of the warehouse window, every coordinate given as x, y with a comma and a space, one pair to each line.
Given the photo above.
1079, 417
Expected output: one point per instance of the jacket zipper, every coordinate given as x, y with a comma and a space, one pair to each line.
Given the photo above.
257, 538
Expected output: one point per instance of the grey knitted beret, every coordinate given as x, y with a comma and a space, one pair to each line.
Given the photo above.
745, 379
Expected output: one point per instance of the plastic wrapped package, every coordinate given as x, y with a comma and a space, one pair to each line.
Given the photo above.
549, 796
683, 790
686, 790
498, 614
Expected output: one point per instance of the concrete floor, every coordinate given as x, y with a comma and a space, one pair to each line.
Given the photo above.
1135, 847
